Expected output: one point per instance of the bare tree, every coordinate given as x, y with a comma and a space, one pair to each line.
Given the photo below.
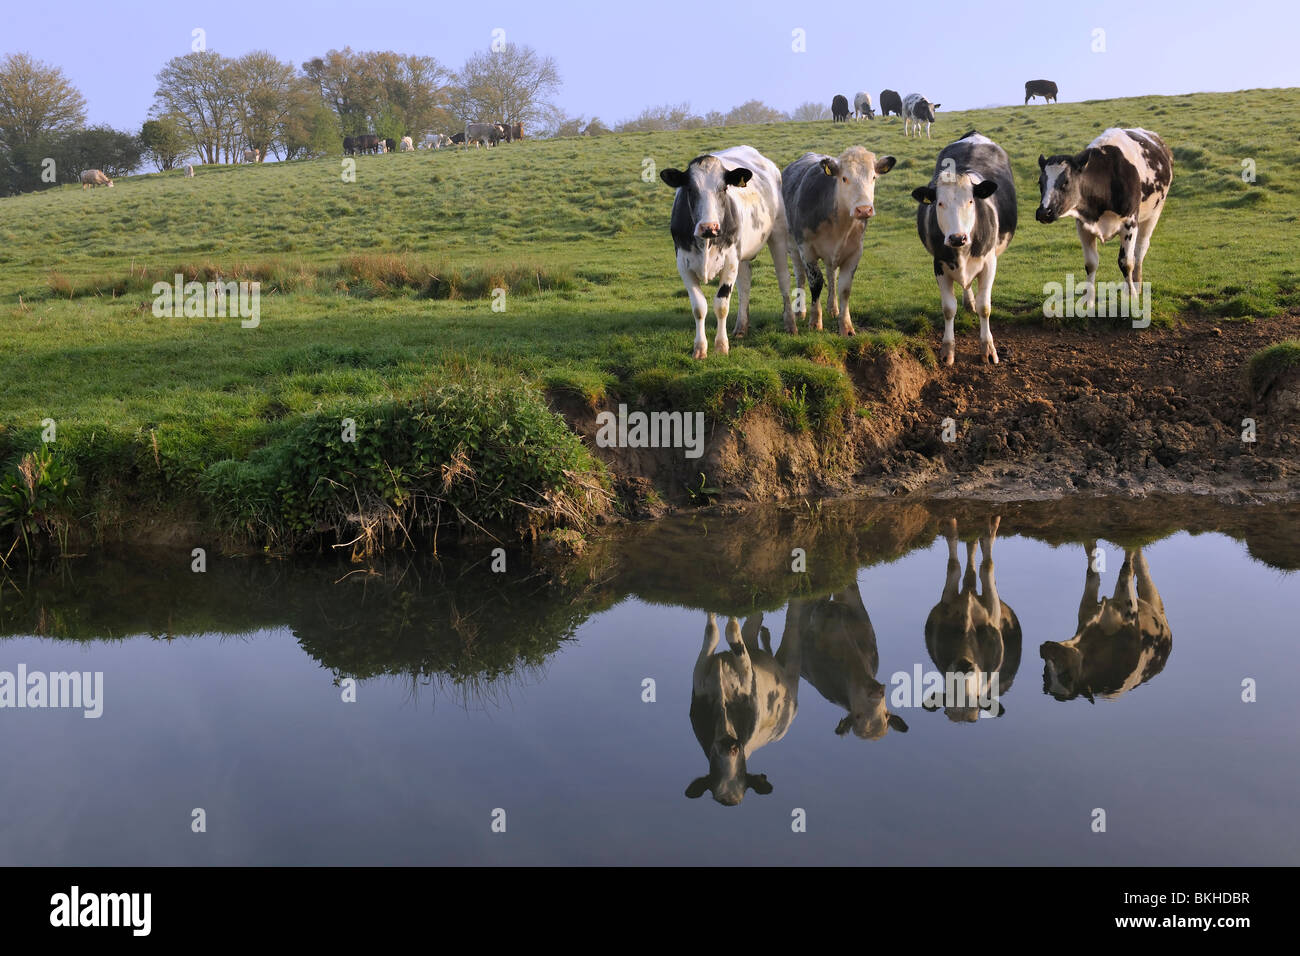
512, 85
36, 100
754, 111
202, 90
810, 111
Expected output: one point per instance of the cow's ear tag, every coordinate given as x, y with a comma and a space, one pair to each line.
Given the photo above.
826, 167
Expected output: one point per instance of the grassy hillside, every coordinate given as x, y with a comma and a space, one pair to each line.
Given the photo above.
378, 289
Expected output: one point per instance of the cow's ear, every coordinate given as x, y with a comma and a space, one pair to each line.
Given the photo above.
697, 787
1042, 161
931, 703
758, 783
898, 723
936, 106
740, 176
884, 164
843, 726
673, 177
1080, 161
924, 194
985, 189
830, 167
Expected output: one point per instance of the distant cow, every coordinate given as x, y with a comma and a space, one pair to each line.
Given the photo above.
252, 156
728, 206
189, 171
862, 106
839, 658
917, 110
408, 146
1118, 184
890, 102
1044, 88
966, 218
973, 638
1121, 642
486, 134
95, 177
457, 139
390, 146
517, 131
436, 141
361, 144
839, 109
828, 203
349, 145
741, 699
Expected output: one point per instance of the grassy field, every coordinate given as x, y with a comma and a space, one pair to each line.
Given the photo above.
377, 293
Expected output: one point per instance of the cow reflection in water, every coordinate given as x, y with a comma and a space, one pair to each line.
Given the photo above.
974, 639
840, 660
1122, 641
741, 699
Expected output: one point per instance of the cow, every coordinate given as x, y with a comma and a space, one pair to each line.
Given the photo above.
408, 146
435, 141
727, 207
252, 156
1119, 183
890, 102
839, 109
349, 145
487, 134
917, 110
966, 217
741, 699
862, 106
828, 203
839, 658
457, 139
1121, 641
517, 131
390, 146
189, 171
1044, 88
93, 178
973, 638
361, 144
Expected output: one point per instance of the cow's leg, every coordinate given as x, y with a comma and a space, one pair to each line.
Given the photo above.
984, 305
699, 307
1146, 588
815, 284
1091, 258
744, 272
752, 631
801, 279
952, 582
1127, 250
706, 650
779, 245
744, 666
968, 297
832, 287
722, 300
988, 583
1145, 229
845, 287
1125, 590
948, 349
1091, 599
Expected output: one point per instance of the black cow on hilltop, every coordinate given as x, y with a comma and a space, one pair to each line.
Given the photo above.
1044, 88
890, 102
840, 109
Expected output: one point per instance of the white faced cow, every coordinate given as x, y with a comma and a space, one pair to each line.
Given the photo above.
727, 208
741, 699
917, 110
828, 203
407, 145
1121, 642
1118, 184
840, 659
862, 106
966, 218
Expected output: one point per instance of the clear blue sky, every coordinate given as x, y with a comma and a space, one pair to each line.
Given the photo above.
617, 58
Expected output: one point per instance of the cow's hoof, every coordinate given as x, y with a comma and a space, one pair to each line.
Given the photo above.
721, 347
948, 352
847, 330
990, 354
701, 351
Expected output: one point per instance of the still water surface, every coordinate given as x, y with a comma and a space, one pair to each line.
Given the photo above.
1120, 668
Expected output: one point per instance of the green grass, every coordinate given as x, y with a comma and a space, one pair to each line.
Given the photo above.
1268, 364
378, 289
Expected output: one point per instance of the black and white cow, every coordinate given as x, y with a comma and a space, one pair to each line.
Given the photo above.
1121, 641
828, 203
484, 134
741, 699
839, 109
840, 659
862, 106
1044, 88
966, 218
972, 636
728, 207
1119, 184
890, 102
917, 110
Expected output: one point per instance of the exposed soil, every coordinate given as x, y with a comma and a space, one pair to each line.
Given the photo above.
1067, 411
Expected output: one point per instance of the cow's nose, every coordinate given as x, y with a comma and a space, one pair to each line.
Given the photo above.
864, 212
963, 666
707, 230
1043, 215
957, 240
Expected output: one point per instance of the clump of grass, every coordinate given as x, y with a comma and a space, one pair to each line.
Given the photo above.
1269, 364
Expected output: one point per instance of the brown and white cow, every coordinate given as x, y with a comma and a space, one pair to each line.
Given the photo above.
252, 156
974, 638
840, 659
741, 699
727, 207
1117, 186
94, 177
1121, 641
828, 203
